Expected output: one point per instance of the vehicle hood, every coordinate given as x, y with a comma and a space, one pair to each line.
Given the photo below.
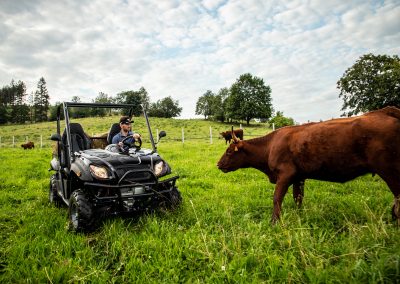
117, 160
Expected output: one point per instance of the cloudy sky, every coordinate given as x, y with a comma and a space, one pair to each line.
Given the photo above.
184, 48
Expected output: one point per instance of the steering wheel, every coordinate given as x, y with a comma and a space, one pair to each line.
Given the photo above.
137, 142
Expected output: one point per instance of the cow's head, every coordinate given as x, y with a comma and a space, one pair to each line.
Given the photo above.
234, 157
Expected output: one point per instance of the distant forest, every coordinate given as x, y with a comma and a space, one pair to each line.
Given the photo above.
16, 106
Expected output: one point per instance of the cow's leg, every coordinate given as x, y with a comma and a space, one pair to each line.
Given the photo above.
395, 188
280, 191
298, 192
393, 182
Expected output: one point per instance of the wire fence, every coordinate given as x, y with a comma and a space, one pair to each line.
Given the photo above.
43, 141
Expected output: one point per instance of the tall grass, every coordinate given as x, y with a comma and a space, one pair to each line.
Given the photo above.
221, 233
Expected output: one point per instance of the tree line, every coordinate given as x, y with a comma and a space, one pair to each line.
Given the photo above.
373, 82
246, 99
16, 106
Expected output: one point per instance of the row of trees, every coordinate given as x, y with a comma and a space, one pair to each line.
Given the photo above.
373, 82
166, 107
17, 107
246, 99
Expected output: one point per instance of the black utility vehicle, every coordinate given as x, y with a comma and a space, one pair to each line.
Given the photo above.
94, 183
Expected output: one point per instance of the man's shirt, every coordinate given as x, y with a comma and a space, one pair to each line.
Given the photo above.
119, 137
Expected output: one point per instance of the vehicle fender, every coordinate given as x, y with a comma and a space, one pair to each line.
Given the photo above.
81, 170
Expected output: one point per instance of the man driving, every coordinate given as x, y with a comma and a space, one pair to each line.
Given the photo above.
125, 124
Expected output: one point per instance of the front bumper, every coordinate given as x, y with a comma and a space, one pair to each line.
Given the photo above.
131, 194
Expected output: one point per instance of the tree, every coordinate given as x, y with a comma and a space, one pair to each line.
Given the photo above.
137, 98
219, 105
41, 101
279, 120
165, 107
78, 112
53, 111
249, 98
204, 105
20, 111
373, 82
102, 98
12, 103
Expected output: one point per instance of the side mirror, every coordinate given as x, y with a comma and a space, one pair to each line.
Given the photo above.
162, 134
55, 137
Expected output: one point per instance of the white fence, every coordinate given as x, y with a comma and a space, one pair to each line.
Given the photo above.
43, 141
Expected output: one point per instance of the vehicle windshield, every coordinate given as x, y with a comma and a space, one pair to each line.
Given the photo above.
97, 120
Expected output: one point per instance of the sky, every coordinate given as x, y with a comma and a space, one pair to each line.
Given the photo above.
184, 48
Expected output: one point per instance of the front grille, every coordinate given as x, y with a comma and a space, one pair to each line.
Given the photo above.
135, 175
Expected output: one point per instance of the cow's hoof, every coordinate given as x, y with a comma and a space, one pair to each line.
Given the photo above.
274, 220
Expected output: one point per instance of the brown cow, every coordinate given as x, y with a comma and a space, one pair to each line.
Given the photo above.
337, 150
228, 134
28, 145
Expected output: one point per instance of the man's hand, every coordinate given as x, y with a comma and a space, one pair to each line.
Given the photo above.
120, 144
136, 136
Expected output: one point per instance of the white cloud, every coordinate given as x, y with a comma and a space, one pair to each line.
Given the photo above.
184, 48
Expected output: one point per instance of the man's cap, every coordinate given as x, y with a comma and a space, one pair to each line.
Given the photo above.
125, 120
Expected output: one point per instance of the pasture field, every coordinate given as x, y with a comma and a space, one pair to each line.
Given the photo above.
221, 233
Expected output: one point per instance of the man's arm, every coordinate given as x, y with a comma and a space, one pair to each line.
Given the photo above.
115, 139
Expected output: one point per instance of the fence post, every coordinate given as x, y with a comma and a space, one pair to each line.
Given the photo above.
41, 141
210, 135
273, 126
241, 126
13, 141
183, 136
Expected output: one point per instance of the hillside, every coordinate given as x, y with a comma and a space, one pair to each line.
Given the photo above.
194, 129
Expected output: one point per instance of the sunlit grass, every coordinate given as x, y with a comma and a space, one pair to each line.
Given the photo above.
222, 232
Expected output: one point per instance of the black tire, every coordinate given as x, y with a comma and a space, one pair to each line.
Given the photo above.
80, 212
54, 198
173, 199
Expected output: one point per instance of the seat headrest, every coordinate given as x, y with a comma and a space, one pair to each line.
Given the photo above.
114, 130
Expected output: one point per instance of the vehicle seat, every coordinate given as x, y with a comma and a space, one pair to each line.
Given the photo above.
114, 130
79, 140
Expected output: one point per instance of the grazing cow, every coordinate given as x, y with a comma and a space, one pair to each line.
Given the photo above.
228, 134
28, 145
337, 150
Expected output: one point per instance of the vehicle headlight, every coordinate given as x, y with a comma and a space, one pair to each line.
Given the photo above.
99, 172
161, 168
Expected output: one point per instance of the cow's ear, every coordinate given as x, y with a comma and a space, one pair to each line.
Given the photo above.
238, 145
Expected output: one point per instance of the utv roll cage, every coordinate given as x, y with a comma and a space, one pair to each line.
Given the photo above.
66, 105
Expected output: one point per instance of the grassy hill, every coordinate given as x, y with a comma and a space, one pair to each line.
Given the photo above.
221, 234
194, 129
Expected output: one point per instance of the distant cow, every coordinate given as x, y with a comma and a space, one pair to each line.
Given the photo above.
28, 145
228, 134
337, 150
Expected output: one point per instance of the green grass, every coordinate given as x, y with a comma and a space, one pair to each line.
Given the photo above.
221, 233
194, 129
